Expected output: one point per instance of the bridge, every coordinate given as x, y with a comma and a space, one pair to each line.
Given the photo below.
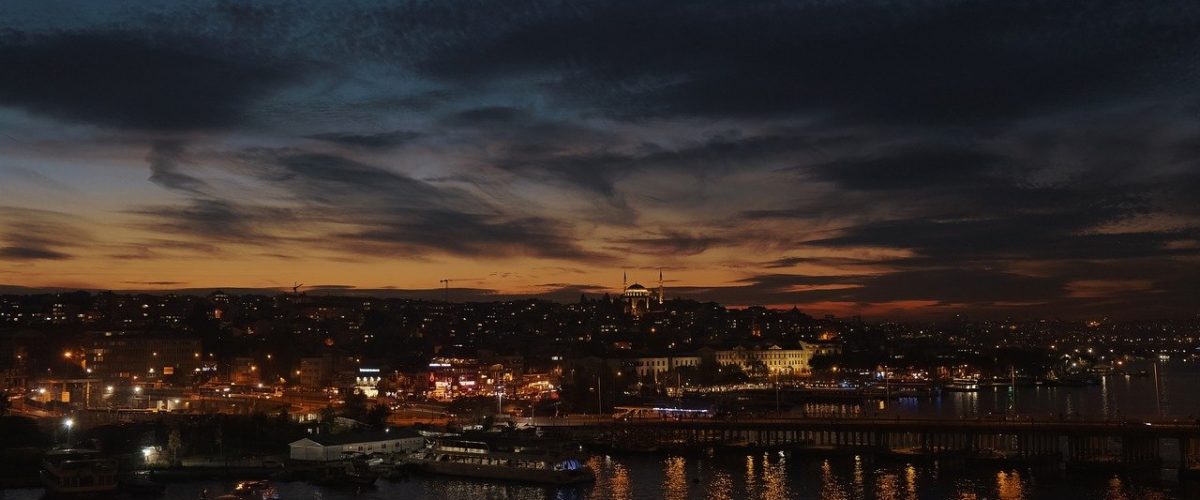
1024, 438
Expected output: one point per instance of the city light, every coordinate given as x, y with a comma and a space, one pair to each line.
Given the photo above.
684, 249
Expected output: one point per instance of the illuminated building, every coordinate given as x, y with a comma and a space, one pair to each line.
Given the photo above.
638, 299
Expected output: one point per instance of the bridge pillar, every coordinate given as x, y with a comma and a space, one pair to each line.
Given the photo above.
1184, 452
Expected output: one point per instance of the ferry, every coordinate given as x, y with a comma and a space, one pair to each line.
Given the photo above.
962, 384
78, 471
524, 461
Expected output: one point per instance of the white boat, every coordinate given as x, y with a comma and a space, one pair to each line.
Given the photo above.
962, 384
536, 462
77, 471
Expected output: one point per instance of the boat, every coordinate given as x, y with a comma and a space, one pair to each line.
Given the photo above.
962, 384
78, 471
140, 482
509, 460
247, 490
352, 474
254, 490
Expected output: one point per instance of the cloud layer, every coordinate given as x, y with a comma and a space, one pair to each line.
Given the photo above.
1017, 157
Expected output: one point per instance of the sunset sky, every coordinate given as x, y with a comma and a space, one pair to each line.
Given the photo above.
890, 159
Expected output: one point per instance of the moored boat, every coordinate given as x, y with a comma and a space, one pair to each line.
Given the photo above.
524, 461
962, 384
77, 471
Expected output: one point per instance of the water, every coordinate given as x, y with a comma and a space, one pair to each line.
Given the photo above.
1117, 397
727, 476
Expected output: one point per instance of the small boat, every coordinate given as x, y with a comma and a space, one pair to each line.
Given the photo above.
523, 461
140, 482
78, 471
355, 474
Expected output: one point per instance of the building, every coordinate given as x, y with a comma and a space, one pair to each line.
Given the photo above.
330, 447
770, 360
650, 367
638, 299
127, 354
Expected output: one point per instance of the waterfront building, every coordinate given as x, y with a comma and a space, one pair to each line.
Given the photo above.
332, 447
766, 360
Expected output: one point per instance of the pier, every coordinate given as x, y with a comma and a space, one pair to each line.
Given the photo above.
1067, 441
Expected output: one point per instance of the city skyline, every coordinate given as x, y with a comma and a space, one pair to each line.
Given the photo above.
914, 161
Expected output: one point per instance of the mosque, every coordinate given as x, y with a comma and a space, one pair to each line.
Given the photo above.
638, 298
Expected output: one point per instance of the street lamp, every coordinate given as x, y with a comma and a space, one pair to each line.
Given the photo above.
68, 423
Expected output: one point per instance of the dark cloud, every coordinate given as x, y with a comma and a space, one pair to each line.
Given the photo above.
1029, 236
212, 219
467, 234
131, 80
378, 141
826, 261
599, 171
373, 211
164, 159
30, 235
914, 168
671, 243
488, 116
863, 60
31, 253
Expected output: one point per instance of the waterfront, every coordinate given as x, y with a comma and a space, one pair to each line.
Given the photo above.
1115, 397
776, 475
727, 476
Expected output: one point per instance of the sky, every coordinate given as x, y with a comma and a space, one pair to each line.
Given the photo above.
883, 158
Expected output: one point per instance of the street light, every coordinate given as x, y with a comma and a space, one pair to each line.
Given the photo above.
68, 423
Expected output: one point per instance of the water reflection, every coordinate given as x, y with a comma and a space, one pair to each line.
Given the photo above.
721, 487
887, 487
830, 488
910, 482
1009, 485
751, 480
859, 487
619, 484
775, 480
768, 476
1114, 491
675, 483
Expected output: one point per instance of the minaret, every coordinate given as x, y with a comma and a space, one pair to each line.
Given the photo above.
660, 287
624, 282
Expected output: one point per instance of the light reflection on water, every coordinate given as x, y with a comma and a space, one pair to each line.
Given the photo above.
765, 476
675, 484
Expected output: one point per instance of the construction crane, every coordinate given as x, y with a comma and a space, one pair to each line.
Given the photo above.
296, 288
446, 284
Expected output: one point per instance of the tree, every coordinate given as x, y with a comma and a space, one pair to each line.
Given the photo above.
822, 362
174, 444
377, 415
